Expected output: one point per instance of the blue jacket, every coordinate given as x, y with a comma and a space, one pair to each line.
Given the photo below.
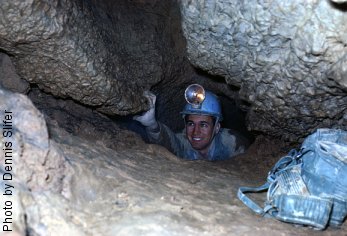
224, 145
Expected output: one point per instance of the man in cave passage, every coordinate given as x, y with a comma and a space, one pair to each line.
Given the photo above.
202, 139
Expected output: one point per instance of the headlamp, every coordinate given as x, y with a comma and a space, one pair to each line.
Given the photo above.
195, 95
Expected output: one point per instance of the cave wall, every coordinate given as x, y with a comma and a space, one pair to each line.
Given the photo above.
100, 53
104, 54
288, 59
283, 64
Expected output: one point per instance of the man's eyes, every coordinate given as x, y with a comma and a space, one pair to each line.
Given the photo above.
202, 125
190, 123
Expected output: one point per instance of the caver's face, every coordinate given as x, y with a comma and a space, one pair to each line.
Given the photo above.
200, 132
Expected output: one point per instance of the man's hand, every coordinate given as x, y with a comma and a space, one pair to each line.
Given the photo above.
148, 118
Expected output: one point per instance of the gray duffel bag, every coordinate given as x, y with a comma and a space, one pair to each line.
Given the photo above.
308, 187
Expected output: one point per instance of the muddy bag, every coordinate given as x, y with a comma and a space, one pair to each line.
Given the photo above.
309, 186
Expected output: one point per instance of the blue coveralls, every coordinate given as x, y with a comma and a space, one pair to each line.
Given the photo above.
224, 145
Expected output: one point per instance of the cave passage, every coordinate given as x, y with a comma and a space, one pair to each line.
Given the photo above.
73, 74
86, 122
116, 184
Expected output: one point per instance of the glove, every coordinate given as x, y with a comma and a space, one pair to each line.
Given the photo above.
148, 118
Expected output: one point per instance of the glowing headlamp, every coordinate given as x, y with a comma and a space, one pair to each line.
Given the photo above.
195, 95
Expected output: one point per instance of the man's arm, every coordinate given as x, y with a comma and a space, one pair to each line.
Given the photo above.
148, 118
159, 133
164, 136
241, 142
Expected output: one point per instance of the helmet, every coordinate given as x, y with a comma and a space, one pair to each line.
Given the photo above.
210, 107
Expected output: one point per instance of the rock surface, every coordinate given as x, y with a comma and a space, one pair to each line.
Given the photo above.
283, 64
98, 53
288, 59
29, 160
9, 78
137, 189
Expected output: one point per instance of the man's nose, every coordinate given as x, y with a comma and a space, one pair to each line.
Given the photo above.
196, 130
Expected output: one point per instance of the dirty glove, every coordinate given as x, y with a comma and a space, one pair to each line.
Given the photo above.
148, 118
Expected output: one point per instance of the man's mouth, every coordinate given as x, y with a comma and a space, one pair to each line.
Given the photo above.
197, 139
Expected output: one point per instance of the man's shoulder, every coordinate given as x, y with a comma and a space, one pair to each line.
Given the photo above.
226, 135
182, 136
228, 132
233, 136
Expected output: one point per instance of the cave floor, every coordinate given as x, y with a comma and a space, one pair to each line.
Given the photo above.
142, 189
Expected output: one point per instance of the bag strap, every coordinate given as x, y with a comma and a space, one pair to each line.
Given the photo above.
250, 203
291, 159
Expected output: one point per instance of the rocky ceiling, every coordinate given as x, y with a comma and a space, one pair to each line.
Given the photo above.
284, 62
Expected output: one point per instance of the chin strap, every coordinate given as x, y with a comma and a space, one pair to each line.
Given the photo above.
215, 131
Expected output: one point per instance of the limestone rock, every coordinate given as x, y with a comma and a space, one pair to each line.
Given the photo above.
9, 78
285, 62
26, 141
98, 53
288, 59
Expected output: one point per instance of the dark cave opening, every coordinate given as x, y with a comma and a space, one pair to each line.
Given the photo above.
235, 118
170, 102
85, 121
